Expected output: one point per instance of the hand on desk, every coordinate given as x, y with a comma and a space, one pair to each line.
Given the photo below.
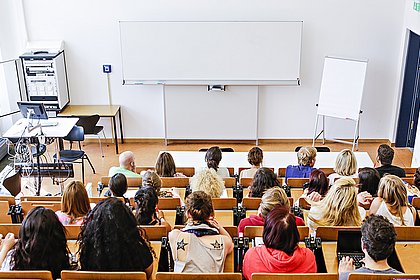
346, 265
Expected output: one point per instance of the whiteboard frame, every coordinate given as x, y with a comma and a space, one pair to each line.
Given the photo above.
185, 82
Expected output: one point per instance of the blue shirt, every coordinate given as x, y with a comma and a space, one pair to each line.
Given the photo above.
298, 171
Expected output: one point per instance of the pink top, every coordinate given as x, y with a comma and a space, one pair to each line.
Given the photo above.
66, 220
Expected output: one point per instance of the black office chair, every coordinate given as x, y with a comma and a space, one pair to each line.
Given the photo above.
89, 124
318, 149
76, 134
224, 150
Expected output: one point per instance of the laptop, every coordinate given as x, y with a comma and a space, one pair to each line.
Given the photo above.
349, 245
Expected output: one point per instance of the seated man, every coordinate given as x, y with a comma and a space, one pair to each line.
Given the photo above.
306, 160
384, 159
378, 241
127, 166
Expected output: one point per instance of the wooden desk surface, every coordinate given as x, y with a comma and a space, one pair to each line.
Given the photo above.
407, 254
329, 250
88, 110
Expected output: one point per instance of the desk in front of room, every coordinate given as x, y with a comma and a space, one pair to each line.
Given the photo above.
104, 111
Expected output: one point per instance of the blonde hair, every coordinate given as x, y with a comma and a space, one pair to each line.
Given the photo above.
346, 163
306, 155
271, 198
75, 201
209, 182
151, 179
393, 192
339, 207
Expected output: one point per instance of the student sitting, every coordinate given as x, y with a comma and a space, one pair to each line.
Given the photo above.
271, 198
345, 166
392, 202
255, 158
338, 208
280, 252
213, 158
378, 242
165, 166
306, 160
41, 245
117, 186
74, 204
127, 166
209, 182
147, 212
202, 246
263, 180
110, 240
384, 160
369, 180
317, 187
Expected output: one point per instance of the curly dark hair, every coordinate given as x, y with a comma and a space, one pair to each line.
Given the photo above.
110, 239
385, 154
213, 157
255, 156
379, 237
146, 200
264, 179
42, 243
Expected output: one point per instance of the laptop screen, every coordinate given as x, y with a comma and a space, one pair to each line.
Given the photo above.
349, 241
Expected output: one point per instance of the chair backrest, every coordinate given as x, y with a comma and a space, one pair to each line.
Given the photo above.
321, 149
294, 276
245, 182
76, 134
22, 274
96, 199
281, 172
72, 232
4, 210
416, 203
257, 231
297, 182
28, 205
10, 199
13, 228
356, 180
372, 276
408, 180
12, 183
169, 203
41, 198
224, 203
327, 170
229, 182
88, 123
408, 233
195, 276
330, 233
410, 171
304, 204
175, 182
155, 233
96, 275
131, 181
251, 203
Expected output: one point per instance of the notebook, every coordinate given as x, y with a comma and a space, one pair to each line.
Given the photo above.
349, 244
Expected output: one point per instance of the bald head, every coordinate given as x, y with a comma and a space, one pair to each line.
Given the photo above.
127, 160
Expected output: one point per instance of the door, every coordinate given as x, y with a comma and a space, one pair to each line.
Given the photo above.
410, 101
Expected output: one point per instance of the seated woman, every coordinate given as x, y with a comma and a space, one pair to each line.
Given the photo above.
392, 202
280, 252
338, 208
147, 212
118, 187
306, 160
369, 180
213, 158
270, 199
255, 158
74, 204
345, 166
317, 187
263, 180
202, 246
165, 166
111, 241
41, 244
209, 182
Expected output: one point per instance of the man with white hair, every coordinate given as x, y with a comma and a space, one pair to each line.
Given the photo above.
127, 165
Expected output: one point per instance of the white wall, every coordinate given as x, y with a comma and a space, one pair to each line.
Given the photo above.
360, 29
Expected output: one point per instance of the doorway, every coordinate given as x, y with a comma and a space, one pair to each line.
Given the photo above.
410, 101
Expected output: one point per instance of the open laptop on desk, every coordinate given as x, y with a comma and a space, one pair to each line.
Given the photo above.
349, 245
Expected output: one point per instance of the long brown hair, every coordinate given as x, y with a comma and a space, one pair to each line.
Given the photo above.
393, 192
75, 201
165, 165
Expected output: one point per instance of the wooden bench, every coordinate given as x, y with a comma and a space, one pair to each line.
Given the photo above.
96, 275
22, 274
195, 276
294, 276
371, 276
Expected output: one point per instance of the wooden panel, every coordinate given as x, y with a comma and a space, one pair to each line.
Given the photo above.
187, 171
331, 233
408, 180
356, 276
327, 170
224, 217
224, 203
257, 231
96, 200
10, 199
157, 247
28, 205
294, 276
281, 172
229, 182
131, 182
139, 169
356, 180
170, 217
4, 209
407, 253
407, 233
195, 276
40, 198
13, 228
175, 182
169, 203
155, 232
416, 203
34, 275
297, 182
251, 203
409, 171
86, 275
245, 182
304, 204
72, 232
231, 171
